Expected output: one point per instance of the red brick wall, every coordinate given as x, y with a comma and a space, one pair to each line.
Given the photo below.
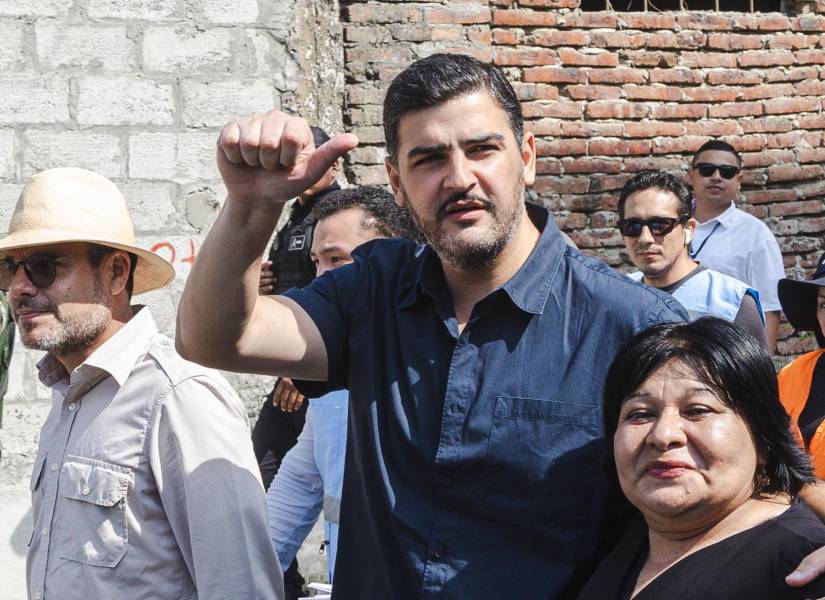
609, 94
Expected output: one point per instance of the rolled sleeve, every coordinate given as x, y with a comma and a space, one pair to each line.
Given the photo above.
202, 459
327, 301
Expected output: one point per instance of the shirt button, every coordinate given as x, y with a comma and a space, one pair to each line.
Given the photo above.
37, 596
53, 467
45, 531
437, 553
445, 481
72, 406
86, 490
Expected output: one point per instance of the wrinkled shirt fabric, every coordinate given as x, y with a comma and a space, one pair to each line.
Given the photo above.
145, 484
474, 457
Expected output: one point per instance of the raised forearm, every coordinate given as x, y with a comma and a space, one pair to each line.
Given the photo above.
219, 298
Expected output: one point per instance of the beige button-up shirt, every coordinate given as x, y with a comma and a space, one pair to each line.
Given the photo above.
145, 484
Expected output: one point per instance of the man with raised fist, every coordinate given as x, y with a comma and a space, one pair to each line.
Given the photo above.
474, 363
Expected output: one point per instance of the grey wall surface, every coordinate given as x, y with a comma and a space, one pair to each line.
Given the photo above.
138, 91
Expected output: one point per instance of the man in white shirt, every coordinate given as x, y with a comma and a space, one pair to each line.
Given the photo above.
145, 484
656, 222
730, 240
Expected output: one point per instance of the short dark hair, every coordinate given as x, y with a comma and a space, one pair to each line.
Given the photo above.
319, 136
661, 180
439, 78
383, 215
734, 364
96, 253
716, 145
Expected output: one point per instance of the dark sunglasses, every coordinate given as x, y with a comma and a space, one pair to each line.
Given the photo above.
657, 225
708, 169
41, 269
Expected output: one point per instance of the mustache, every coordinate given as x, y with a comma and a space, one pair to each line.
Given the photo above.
26, 303
442, 210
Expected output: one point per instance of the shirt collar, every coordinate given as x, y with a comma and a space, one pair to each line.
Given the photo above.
726, 219
117, 356
528, 289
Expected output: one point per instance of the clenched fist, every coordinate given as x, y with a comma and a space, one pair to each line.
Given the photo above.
272, 158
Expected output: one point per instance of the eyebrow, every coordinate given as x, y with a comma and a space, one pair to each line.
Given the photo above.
329, 248
436, 148
688, 392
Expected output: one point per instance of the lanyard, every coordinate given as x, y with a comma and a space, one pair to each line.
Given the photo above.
704, 241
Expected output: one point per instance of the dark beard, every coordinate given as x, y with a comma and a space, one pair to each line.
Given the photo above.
473, 256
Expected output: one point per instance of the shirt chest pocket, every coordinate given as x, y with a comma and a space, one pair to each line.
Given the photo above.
91, 525
549, 451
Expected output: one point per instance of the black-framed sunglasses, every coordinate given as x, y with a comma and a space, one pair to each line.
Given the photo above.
41, 269
708, 169
657, 225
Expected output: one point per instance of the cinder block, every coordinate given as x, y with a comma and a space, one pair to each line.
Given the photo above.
271, 58
180, 157
124, 100
36, 99
152, 155
99, 152
213, 104
12, 56
239, 11
151, 205
150, 10
195, 159
7, 153
9, 193
61, 45
35, 8
173, 49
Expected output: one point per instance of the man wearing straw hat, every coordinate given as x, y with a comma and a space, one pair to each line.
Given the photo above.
144, 484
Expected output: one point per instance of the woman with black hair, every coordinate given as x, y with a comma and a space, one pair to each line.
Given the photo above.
701, 446
802, 382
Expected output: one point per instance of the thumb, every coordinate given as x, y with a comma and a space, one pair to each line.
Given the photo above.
324, 156
806, 572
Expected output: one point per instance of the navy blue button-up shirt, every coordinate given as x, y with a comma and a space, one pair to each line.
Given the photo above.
474, 459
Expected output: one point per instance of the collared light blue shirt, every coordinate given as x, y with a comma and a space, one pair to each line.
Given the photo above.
310, 480
474, 459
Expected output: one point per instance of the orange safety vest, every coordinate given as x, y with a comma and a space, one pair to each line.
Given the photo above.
794, 386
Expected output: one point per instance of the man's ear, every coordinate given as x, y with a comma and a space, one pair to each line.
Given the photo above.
395, 182
690, 228
528, 158
120, 263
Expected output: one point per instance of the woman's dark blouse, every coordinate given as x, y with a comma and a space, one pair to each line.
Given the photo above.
750, 565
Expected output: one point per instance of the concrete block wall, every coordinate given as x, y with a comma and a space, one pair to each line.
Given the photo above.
138, 90
610, 93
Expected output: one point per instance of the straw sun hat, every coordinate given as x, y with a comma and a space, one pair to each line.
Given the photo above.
75, 205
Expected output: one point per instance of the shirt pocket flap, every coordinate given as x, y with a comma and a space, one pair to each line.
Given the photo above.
508, 407
95, 483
